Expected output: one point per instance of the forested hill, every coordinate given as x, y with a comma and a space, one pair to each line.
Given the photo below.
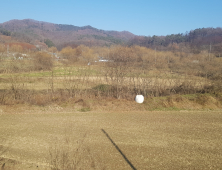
60, 35
197, 40
29, 31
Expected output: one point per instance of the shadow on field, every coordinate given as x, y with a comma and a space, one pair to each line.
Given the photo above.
127, 160
3, 149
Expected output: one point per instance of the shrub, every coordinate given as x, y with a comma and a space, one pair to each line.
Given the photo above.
42, 61
49, 43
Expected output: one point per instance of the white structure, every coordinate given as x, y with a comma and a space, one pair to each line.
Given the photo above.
19, 58
103, 60
139, 99
24, 55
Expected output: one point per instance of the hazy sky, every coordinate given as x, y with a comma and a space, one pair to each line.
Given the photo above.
141, 17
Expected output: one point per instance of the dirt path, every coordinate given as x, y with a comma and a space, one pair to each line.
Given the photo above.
98, 140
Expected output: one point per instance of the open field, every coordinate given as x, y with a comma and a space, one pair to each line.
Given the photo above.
64, 115
45, 139
75, 108
87, 77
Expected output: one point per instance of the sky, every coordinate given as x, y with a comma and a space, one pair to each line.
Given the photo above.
140, 17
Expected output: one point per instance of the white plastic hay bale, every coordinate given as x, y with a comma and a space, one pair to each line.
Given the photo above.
139, 99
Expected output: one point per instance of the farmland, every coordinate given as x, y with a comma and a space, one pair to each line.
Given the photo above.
50, 138
72, 112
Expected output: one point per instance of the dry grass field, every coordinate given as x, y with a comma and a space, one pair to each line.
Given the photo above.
69, 114
56, 138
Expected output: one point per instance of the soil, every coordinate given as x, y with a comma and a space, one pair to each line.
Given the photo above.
54, 137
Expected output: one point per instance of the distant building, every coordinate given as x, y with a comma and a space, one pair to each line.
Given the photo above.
101, 59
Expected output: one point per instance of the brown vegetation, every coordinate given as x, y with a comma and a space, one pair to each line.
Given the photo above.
21, 45
72, 81
40, 78
42, 61
126, 71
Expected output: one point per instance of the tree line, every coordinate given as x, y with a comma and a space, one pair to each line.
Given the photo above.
197, 40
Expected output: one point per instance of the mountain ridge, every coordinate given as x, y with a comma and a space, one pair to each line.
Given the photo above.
62, 35
30, 30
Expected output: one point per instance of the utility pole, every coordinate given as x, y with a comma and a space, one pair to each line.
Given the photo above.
155, 55
210, 52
